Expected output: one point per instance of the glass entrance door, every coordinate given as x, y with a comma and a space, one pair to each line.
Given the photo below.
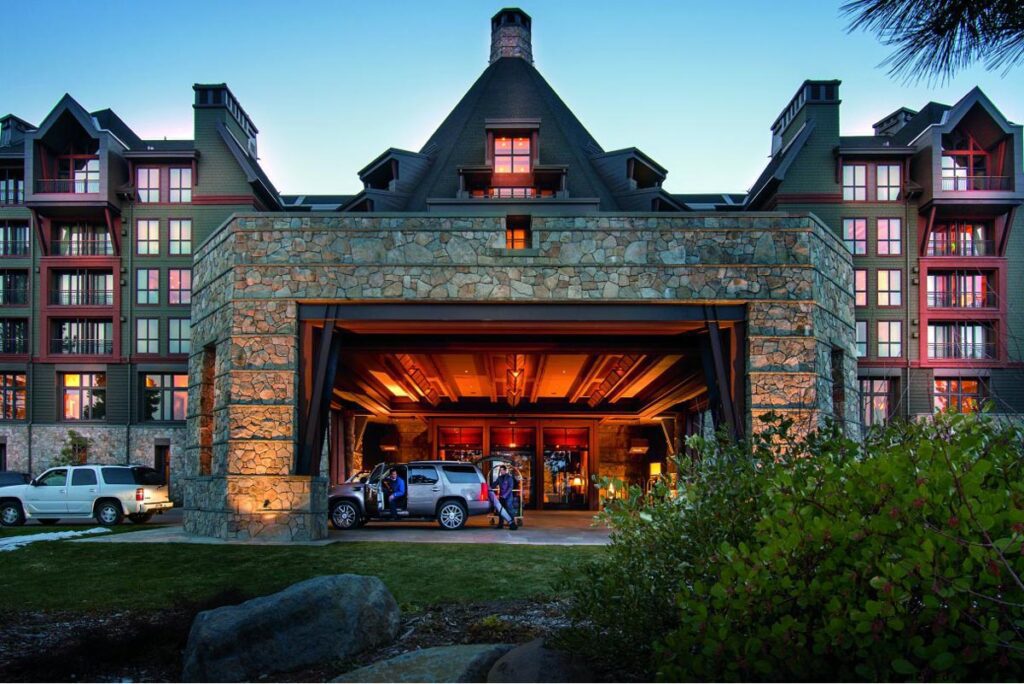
519, 445
566, 452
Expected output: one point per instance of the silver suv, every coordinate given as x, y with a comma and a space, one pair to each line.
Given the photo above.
107, 493
446, 491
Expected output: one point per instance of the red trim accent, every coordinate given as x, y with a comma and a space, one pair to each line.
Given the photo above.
810, 198
48, 312
223, 199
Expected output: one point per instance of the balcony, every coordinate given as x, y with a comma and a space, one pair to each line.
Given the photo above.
961, 350
976, 183
75, 346
511, 193
941, 246
82, 297
14, 344
962, 300
83, 247
11, 197
67, 186
13, 248
15, 296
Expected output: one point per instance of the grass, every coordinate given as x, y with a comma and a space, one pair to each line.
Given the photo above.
96, 577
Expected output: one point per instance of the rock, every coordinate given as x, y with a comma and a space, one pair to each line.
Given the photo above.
535, 662
467, 663
309, 623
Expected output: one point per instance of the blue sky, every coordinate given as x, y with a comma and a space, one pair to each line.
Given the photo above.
330, 85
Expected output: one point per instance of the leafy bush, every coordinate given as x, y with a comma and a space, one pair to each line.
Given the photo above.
895, 557
74, 451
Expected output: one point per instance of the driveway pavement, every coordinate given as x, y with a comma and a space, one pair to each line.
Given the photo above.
561, 528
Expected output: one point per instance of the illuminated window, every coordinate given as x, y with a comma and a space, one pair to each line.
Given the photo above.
855, 235
180, 185
517, 232
960, 239
165, 396
890, 237
147, 286
860, 287
890, 287
890, 339
511, 155
179, 336
179, 286
83, 396
180, 236
875, 402
13, 393
147, 336
147, 237
959, 395
855, 182
148, 184
888, 179
862, 338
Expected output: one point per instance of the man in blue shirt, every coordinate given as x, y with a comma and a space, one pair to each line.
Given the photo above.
396, 491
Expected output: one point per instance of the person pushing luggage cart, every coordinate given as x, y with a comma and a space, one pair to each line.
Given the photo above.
502, 491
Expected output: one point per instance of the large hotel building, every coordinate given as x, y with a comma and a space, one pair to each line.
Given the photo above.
512, 287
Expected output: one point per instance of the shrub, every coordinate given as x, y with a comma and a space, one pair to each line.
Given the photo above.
895, 557
74, 451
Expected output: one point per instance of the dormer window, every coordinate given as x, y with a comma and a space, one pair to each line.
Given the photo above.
511, 154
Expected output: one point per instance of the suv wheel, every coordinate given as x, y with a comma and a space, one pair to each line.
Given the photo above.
451, 515
11, 514
344, 515
109, 513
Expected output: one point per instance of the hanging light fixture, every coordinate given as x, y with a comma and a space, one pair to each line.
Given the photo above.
515, 378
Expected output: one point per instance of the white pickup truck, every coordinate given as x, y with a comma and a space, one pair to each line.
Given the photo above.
107, 493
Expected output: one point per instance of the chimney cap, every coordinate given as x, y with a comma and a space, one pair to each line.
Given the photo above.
510, 15
511, 35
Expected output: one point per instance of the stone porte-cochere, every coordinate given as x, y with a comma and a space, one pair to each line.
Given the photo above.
789, 273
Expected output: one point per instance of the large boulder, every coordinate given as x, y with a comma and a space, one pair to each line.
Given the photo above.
312, 622
468, 663
536, 662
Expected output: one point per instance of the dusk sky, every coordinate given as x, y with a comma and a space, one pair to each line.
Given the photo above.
331, 85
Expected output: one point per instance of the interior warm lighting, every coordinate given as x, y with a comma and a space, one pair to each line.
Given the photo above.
391, 385
655, 469
577, 481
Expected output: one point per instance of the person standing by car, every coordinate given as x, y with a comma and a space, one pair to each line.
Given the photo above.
396, 491
505, 486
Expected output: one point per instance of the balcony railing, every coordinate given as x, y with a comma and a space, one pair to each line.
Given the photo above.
67, 186
90, 247
15, 248
11, 197
943, 247
976, 183
81, 346
961, 350
962, 300
15, 296
16, 344
82, 297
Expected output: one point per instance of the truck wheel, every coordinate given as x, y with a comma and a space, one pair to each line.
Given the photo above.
11, 514
451, 515
49, 521
344, 515
140, 518
109, 513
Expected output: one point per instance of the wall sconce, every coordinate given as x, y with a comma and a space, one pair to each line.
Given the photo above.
655, 468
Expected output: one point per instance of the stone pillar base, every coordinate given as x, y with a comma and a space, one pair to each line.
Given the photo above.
251, 507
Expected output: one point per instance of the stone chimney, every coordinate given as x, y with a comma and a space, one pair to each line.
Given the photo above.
510, 35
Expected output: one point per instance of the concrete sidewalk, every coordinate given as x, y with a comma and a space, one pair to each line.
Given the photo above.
562, 528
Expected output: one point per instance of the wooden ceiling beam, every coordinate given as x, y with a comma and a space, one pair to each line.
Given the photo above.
492, 381
418, 379
635, 374
538, 377
677, 393
433, 370
588, 375
616, 374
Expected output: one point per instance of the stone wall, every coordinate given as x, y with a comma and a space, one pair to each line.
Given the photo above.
791, 272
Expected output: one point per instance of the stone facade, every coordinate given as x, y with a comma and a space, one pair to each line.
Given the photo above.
790, 271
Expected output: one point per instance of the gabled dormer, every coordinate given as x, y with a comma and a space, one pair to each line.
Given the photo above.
635, 179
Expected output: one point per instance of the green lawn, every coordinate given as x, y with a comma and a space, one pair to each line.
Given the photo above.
86, 577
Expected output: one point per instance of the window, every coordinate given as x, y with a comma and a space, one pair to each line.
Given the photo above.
121, 476
890, 339
76, 174
53, 478
82, 288
961, 341
960, 239
147, 336
13, 239
862, 338
888, 178
855, 235
875, 401
890, 237
83, 477
422, 475
965, 165
860, 287
86, 336
179, 336
181, 236
517, 232
959, 395
13, 287
147, 237
77, 239
13, 393
180, 286
855, 182
890, 287
461, 474
148, 181
12, 185
147, 286
960, 289
83, 395
181, 185
511, 155
165, 396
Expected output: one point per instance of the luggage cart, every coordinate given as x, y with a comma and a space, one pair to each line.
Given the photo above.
489, 466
